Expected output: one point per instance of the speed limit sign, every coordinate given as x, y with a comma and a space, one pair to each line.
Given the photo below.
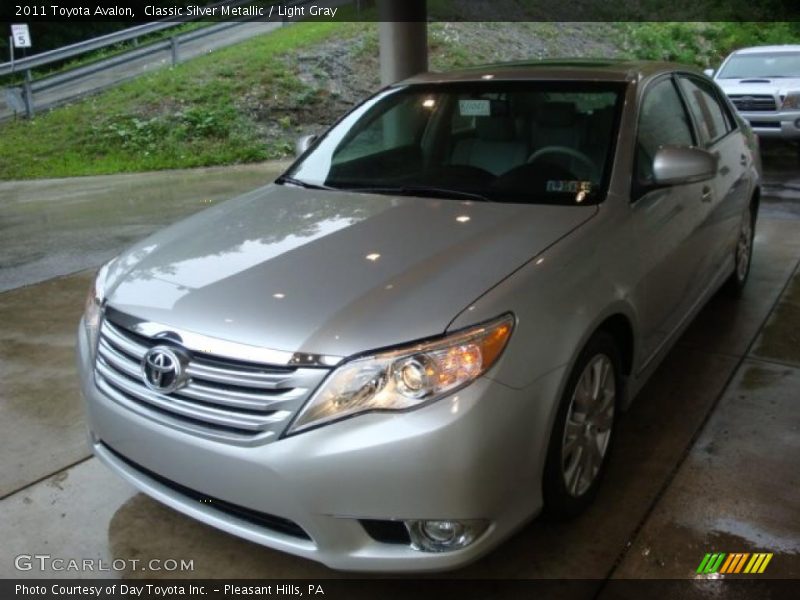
21, 35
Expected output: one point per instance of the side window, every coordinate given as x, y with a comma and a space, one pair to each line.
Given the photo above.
706, 108
662, 122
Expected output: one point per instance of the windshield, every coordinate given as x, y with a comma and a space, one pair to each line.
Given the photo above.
529, 142
766, 64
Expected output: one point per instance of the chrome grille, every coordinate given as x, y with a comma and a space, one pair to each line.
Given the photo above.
224, 399
754, 103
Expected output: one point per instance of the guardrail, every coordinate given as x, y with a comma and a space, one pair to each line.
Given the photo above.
103, 41
21, 99
65, 52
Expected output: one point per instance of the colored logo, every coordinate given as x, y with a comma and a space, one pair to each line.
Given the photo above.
736, 562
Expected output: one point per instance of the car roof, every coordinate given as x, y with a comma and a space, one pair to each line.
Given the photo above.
561, 69
775, 49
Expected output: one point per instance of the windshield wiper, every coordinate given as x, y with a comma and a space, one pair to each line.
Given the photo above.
284, 179
422, 190
404, 190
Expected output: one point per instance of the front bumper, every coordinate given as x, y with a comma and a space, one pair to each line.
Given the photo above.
775, 125
478, 454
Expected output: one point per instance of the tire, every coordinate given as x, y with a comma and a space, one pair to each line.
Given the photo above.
743, 256
591, 421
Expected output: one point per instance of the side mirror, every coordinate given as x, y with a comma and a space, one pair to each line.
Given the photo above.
303, 144
675, 165
709, 72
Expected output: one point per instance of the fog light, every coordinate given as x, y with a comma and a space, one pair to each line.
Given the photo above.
444, 535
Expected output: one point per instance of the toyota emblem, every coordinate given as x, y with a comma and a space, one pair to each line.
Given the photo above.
164, 369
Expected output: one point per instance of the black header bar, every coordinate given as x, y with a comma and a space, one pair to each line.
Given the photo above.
142, 11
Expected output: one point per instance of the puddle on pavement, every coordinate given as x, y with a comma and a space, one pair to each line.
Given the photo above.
751, 536
678, 549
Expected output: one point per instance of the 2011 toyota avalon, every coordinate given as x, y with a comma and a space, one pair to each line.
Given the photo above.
422, 334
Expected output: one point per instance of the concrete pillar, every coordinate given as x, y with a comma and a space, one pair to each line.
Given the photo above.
403, 39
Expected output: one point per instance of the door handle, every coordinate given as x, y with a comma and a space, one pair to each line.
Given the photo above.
707, 194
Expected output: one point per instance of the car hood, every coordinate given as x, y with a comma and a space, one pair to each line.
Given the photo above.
760, 85
329, 273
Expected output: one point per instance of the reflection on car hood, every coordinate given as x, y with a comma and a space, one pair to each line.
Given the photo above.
330, 272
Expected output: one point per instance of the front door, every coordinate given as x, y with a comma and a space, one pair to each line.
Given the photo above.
668, 219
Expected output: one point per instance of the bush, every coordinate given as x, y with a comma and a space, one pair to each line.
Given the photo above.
703, 44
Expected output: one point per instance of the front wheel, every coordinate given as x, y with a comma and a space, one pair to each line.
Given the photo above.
583, 429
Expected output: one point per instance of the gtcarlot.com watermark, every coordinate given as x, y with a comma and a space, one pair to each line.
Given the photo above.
47, 562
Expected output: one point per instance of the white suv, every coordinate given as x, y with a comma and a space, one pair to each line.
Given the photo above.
764, 85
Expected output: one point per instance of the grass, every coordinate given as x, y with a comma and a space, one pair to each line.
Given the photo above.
195, 114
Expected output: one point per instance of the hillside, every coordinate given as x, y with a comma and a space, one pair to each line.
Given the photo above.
251, 101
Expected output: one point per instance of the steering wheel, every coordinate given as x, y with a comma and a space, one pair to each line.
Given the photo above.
572, 153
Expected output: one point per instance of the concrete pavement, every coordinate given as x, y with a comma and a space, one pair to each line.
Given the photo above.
41, 417
706, 460
739, 488
50, 228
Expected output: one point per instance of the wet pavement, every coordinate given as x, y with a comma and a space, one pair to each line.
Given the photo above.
739, 488
705, 460
41, 417
53, 227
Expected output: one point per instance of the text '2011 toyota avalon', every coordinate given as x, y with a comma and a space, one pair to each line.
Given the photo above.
423, 333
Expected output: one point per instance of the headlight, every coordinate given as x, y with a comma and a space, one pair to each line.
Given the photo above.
791, 101
93, 311
407, 377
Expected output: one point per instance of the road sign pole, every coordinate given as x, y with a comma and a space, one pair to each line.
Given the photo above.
11, 50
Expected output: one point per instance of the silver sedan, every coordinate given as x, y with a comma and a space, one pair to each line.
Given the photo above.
422, 334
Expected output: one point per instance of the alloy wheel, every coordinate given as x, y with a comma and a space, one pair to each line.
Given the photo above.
587, 430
